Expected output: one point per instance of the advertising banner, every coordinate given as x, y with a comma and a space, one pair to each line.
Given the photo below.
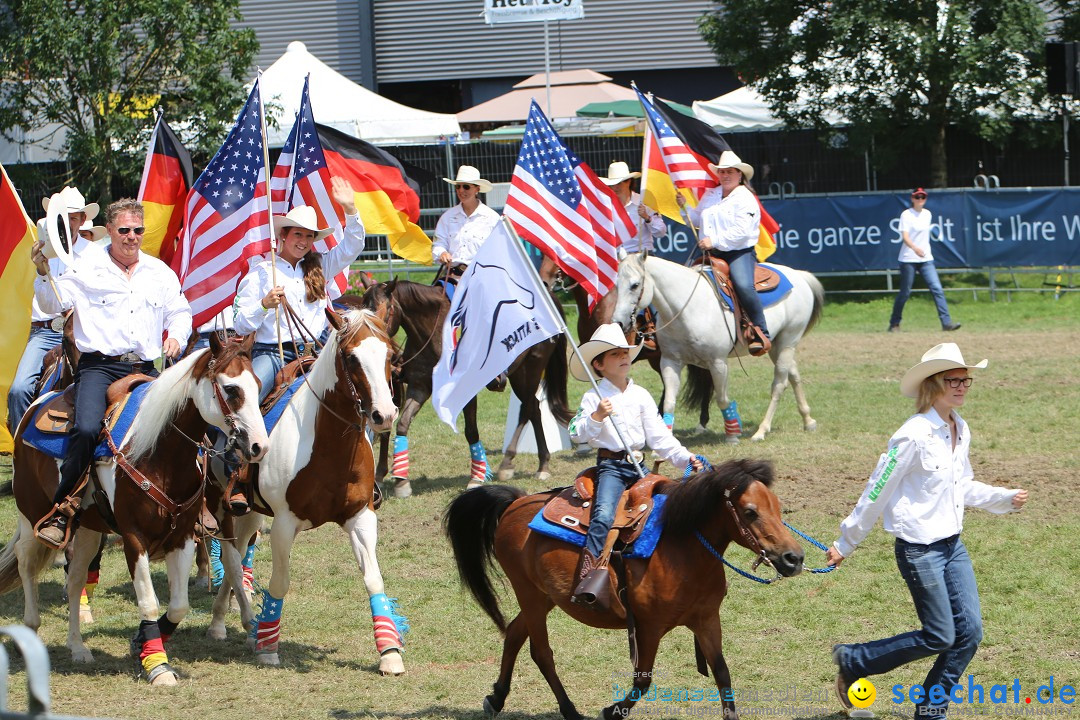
515, 11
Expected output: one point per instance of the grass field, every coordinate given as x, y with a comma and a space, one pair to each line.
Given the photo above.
1025, 419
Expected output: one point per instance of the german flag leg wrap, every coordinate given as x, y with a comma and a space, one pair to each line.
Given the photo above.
388, 623
247, 565
148, 647
267, 628
401, 457
480, 472
92, 577
166, 627
732, 422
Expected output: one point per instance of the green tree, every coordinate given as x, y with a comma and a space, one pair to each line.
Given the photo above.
899, 72
99, 67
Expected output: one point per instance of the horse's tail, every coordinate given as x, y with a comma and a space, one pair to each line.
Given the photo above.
698, 390
555, 382
819, 299
470, 523
9, 561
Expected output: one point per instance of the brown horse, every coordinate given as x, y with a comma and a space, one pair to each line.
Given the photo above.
682, 583
153, 495
420, 310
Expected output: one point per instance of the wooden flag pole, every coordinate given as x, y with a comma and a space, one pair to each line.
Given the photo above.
270, 219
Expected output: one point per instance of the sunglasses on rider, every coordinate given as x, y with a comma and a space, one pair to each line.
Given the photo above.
125, 230
919, 196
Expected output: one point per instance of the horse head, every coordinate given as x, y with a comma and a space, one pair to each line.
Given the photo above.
734, 502
634, 290
379, 299
365, 351
227, 394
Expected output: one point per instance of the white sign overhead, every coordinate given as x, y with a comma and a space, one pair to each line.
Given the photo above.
511, 11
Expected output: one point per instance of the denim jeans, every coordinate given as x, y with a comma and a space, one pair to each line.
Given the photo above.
612, 477
21, 394
942, 584
907, 280
741, 264
266, 363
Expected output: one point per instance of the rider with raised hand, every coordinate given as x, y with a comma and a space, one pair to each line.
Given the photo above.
631, 408
301, 278
124, 301
462, 229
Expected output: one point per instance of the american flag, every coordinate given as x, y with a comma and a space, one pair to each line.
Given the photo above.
226, 217
301, 177
557, 203
688, 169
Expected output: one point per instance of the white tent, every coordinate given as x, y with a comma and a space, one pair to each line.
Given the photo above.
342, 104
744, 110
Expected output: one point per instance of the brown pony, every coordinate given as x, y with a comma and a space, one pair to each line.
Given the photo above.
683, 583
420, 310
154, 495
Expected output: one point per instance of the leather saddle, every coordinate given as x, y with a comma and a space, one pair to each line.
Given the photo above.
765, 278
572, 507
287, 376
57, 415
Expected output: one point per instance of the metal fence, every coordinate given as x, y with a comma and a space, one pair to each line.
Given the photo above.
36, 657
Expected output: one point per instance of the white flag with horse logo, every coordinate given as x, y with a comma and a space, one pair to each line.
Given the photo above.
499, 311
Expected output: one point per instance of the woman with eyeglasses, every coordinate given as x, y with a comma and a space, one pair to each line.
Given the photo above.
916, 231
920, 488
463, 228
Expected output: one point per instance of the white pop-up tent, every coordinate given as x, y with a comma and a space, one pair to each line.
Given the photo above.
342, 104
744, 110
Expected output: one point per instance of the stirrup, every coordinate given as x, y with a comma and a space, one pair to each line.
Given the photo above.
66, 510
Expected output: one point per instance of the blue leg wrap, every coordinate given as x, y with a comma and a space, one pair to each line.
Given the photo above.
217, 570
401, 443
731, 412
669, 419
388, 607
249, 557
478, 454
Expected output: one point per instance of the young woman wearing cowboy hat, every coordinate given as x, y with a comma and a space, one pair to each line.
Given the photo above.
301, 279
463, 228
648, 222
729, 219
920, 488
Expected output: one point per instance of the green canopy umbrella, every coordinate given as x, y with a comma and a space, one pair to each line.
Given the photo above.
623, 108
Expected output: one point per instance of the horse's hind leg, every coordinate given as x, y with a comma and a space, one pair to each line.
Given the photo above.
709, 637
233, 581
648, 642
540, 650
84, 547
516, 634
363, 532
785, 368
32, 558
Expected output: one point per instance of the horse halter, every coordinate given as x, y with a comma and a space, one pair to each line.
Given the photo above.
358, 402
223, 405
751, 539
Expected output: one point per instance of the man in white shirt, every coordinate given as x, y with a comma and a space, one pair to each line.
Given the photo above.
648, 222
46, 329
123, 300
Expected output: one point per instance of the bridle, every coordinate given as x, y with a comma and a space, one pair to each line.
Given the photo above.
749, 537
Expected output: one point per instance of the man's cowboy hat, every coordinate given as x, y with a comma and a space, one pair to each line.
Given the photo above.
607, 337
617, 172
75, 202
301, 216
468, 175
939, 358
57, 240
728, 159
96, 231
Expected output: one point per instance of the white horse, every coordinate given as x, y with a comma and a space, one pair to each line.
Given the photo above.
323, 471
692, 328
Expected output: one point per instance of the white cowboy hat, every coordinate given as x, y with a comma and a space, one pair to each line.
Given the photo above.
607, 337
57, 239
617, 172
75, 202
96, 231
468, 175
301, 216
729, 159
939, 358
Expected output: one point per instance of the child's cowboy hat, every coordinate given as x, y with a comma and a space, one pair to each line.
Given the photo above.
729, 159
468, 175
96, 231
617, 172
301, 216
73, 202
939, 358
607, 337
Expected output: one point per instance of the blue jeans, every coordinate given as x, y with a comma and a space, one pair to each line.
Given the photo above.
266, 363
907, 280
612, 477
21, 394
741, 264
942, 584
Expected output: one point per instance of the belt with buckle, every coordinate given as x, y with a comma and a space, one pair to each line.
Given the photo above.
56, 324
128, 357
621, 455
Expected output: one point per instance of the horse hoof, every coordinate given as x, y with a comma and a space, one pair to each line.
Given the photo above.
731, 439
475, 483
810, 426
506, 475
162, 676
391, 664
86, 617
402, 488
543, 476
758, 437
489, 709
267, 659
699, 430
216, 632
82, 655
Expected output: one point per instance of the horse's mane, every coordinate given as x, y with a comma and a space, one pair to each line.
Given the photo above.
163, 400
690, 504
323, 375
410, 294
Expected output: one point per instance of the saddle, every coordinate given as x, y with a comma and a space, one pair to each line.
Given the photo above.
287, 376
765, 279
572, 507
56, 415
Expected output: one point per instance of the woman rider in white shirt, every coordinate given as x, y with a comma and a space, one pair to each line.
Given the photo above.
729, 219
920, 488
463, 228
302, 274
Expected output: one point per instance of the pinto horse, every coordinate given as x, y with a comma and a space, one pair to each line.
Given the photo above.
320, 468
154, 488
683, 583
420, 310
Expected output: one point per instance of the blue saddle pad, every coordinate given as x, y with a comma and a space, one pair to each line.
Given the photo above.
641, 548
768, 299
270, 419
448, 288
55, 445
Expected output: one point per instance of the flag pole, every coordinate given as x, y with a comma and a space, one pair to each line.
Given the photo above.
520, 249
270, 219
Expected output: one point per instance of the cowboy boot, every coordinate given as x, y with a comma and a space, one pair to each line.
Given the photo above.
53, 531
584, 592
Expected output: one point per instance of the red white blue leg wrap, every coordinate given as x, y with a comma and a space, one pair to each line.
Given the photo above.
267, 628
389, 624
732, 423
401, 457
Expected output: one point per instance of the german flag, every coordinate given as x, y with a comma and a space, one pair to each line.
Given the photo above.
166, 180
17, 236
387, 193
